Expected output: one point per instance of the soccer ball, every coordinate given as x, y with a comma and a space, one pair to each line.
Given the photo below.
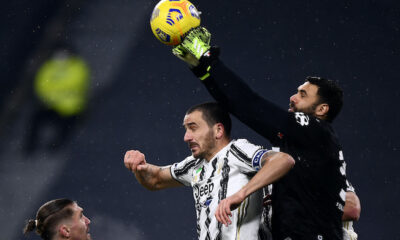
172, 19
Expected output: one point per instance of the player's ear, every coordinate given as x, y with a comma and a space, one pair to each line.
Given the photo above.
322, 110
64, 231
219, 130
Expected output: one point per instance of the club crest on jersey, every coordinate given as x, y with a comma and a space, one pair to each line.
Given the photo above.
196, 174
302, 118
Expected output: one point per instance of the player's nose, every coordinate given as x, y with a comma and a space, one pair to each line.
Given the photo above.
87, 220
293, 98
187, 137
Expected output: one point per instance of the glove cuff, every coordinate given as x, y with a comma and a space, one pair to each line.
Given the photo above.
202, 70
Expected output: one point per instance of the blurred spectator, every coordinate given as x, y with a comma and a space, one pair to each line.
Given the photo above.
61, 87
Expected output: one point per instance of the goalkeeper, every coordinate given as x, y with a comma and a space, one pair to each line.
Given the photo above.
309, 202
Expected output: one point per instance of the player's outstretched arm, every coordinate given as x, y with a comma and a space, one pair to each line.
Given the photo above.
352, 207
275, 165
228, 88
150, 176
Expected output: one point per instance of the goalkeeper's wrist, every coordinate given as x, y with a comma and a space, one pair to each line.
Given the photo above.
202, 70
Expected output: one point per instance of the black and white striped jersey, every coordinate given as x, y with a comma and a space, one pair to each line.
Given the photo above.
224, 175
348, 231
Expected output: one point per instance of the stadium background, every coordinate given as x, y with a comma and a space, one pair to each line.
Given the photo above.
139, 93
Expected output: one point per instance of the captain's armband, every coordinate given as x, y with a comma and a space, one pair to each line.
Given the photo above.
258, 159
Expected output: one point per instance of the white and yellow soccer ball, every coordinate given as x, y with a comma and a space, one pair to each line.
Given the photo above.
172, 19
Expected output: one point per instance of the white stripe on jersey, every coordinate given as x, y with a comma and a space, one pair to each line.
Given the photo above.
224, 175
348, 231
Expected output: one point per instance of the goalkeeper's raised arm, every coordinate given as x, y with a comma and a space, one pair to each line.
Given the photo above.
226, 87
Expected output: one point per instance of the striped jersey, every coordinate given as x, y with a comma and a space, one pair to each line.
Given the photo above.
229, 170
348, 231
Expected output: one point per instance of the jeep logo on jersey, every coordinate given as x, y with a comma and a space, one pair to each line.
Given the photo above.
302, 118
206, 189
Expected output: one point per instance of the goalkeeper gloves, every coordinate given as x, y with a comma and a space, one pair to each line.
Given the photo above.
197, 52
194, 45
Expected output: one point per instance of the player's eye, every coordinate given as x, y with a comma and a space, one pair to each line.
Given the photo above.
193, 127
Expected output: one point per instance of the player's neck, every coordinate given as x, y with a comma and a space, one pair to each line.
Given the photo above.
220, 144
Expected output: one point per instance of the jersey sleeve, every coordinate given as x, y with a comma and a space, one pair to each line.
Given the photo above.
349, 187
182, 171
248, 155
232, 92
261, 115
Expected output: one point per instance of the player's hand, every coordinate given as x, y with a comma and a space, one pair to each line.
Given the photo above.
226, 206
194, 45
180, 52
197, 42
134, 160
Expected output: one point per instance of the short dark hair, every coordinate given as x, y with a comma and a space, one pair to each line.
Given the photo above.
49, 216
214, 113
330, 93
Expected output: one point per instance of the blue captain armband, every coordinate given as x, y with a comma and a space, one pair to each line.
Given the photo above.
257, 159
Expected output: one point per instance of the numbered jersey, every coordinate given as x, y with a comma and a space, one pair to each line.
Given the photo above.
219, 178
315, 188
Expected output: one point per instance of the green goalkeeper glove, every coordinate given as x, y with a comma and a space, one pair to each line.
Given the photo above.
194, 45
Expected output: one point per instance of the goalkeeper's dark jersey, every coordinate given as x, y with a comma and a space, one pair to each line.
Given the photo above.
308, 202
